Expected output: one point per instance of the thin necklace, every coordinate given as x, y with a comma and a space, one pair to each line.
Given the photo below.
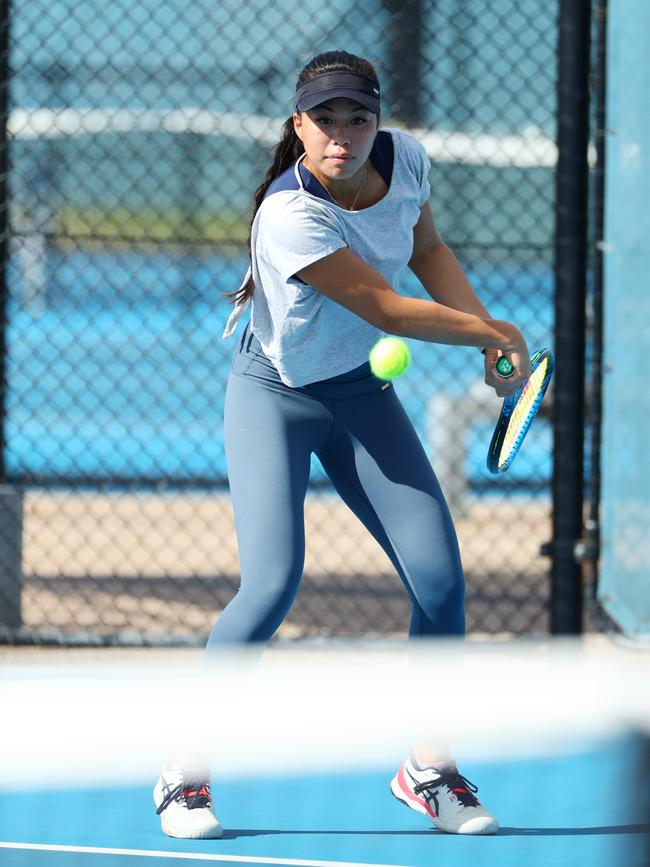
361, 186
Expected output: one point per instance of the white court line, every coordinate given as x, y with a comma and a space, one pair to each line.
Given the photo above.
190, 856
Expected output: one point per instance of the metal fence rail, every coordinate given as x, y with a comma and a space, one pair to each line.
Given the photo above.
135, 135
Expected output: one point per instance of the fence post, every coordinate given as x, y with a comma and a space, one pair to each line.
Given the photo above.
11, 533
570, 293
594, 403
405, 60
10, 500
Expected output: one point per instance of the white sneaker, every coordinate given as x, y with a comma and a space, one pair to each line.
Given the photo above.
445, 796
184, 804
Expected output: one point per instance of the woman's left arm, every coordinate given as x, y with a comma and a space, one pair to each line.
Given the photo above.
438, 270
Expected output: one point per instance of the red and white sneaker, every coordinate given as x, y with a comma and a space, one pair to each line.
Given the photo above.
445, 796
184, 804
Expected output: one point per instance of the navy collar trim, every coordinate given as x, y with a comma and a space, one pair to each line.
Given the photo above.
382, 157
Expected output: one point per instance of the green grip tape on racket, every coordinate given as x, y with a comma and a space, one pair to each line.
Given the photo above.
504, 368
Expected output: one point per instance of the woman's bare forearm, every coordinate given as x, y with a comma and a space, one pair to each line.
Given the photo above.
347, 279
437, 323
443, 278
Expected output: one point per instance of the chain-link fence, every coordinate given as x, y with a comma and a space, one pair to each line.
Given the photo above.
136, 135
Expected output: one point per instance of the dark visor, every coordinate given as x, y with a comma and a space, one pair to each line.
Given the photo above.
330, 85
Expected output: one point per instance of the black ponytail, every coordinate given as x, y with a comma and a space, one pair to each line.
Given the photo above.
285, 153
290, 147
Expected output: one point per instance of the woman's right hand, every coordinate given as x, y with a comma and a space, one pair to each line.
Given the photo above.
518, 355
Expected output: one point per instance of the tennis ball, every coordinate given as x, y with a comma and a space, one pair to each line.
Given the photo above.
389, 357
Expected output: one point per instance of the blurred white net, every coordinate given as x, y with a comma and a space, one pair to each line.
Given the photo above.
326, 708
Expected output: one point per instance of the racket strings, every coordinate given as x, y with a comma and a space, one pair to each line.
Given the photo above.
524, 407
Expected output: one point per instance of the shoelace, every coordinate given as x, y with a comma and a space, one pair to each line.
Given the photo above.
194, 795
454, 781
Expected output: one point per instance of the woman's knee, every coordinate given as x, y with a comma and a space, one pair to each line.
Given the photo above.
271, 595
256, 612
441, 593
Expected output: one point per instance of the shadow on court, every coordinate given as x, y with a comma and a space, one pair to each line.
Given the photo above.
573, 832
236, 833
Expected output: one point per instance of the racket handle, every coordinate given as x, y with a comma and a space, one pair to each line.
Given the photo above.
504, 368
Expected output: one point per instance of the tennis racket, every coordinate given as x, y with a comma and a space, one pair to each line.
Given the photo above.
519, 410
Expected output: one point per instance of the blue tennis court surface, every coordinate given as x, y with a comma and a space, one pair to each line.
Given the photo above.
582, 808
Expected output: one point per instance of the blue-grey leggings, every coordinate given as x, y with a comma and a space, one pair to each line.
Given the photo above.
366, 443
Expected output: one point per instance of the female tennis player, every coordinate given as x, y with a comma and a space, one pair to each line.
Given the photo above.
341, 213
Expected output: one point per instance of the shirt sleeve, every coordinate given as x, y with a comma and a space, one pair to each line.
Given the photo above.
423, 169
418, 161
293, 232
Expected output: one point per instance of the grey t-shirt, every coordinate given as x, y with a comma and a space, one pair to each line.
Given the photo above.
306, 335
